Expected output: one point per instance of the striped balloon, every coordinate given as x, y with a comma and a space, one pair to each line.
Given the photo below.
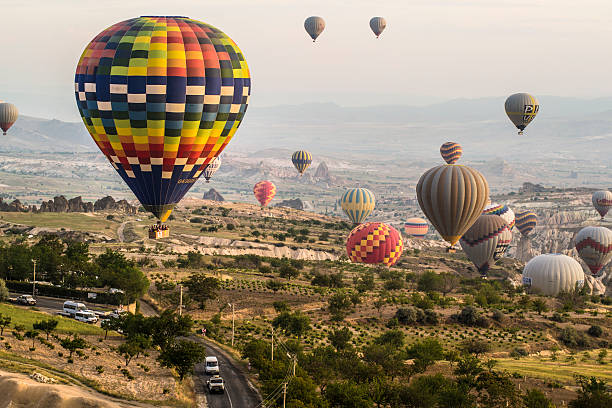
374, 243
357, 204
602, 201
486, 241
526, 222
211, 168
378, 24
264, 192
416, 227
503, 211
594, 245
8, 116
314, 26
301, 160
451, 152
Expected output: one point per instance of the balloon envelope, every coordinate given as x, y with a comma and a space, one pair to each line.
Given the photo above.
8, 116
211, 168
526, 222
378, 24
314, 26
594, 246
602, 201
503, 211
551, 274
452, 197
264, 192
373, 243
357, 204
301, 160
161, 97
416, 227
521, 108
451, 152
486, 240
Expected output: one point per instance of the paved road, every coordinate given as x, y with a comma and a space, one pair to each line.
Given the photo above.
54, 305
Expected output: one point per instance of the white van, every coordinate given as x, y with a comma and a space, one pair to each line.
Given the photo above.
71, 307
212, 365
86, 316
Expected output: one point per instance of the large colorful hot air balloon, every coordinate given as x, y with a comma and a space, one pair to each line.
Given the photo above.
416, 227
451, 152
264, 192
314, 26
526, 222
452, 197
550, 274
486, 241
301, 160
8, 116
521, 108
161, 97
602, 201
503, 211
211, 168
357, 204
594, 245
378, 24
373, 243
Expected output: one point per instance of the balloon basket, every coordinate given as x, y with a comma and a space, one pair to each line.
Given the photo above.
451, 250
159, 231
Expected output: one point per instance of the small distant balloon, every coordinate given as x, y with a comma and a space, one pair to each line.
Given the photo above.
211, 168
301, 160
526, 222
416, 227
378, 24
264, 192
451, 152
8, 116
357, 204
602, 201
521, 108
314, 26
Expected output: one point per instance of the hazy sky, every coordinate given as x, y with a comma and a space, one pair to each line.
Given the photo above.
431, 50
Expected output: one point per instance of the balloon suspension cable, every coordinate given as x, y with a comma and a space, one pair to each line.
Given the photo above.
520, 133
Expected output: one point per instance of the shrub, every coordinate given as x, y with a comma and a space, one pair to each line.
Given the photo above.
498, 315
571, 338
595, 331
558, 317
467, 316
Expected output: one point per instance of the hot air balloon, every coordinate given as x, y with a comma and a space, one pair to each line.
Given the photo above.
357, 204
8, 116
526, 222
161, 97
486, 241
452, 197
594, 245
264, 192
314, 26
451, 152
211, 168
374, 243
550, 274
416, 227
301, 160
378, 24
503, 211
602, 201
521, 108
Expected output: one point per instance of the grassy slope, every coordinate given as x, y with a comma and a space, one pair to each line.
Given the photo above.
27, 318
74, 221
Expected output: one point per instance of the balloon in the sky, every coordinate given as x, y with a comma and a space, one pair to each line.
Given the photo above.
264, 192
526, 222
8, 116
417, 227
373, 243
357, 204
550, 274
301, 160
314, 26
378, 24
451, 152
594, 245
602, 201
521, 108
161, 97
503, 211
486, 240
452, 197
211, 168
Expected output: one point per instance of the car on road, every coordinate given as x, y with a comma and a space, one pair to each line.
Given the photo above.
212, 365
86, 316
73, 307
215, 384
26, 300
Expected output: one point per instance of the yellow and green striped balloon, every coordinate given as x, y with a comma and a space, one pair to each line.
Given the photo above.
357, 204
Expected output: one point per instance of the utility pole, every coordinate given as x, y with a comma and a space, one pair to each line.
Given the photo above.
272, 343
284, 393
34, 281
181, 300
294, 364
233, 326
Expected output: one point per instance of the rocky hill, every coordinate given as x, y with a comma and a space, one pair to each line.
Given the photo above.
213, 195
60, 204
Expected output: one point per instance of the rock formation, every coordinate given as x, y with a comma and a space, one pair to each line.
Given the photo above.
295, 203
322, 172
213, 195
14, 206
109, 203
61, 204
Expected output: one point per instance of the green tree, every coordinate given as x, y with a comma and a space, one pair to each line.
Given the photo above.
47, 326
128, 350
393, 338
340, 338
539, 305
348, 394
475, 346
296, 323
182, 356
4, 293
32, 334
119, 272
535, 398
339, 305
202, 288
166, 327
5, 321
424, 354
281, 306
429, 282
288, 272
448, 282
73, 344
593, 393
109, 324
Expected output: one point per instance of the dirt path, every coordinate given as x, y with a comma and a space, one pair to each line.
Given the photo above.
120, 229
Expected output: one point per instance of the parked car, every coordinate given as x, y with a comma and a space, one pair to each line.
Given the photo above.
71, 307
215, 384
212, 365
86, 316
26, 300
